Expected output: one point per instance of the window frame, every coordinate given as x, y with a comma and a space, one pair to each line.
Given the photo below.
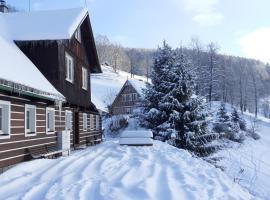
48, 110
68, 57
4, 135
92, 122
84, 78
78, 35
85, 123
27, 132
97, 122
66, 113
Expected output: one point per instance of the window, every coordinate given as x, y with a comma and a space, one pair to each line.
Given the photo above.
84, 78
128, 98
50, 119
84, 121
92, 122
123, 98
97, 122
30, 120
78, 35
128, 110
69, 62
134, 97
4, 119
68, 120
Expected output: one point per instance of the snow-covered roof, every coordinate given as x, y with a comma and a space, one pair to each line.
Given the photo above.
19, 73
43, 25
138, 85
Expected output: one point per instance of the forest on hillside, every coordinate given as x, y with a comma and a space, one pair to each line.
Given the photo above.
239, 81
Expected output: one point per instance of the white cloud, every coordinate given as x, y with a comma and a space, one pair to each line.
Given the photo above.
204, 12
257, 44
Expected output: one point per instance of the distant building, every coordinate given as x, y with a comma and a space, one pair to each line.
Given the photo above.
128, 98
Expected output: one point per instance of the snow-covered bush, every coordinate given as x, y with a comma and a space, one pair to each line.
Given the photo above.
222, 123
118, 123
232, 127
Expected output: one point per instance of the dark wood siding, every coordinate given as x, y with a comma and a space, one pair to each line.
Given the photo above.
119, 107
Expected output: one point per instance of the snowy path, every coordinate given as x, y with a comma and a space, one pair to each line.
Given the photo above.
110, 171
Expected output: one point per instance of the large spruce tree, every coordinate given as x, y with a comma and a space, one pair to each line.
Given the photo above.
171, 107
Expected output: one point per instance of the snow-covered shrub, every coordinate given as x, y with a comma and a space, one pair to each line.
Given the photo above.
118, 123
222, 123
221, 128
235, 118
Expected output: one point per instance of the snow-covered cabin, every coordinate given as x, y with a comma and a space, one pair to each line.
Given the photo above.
46, 61
128, 98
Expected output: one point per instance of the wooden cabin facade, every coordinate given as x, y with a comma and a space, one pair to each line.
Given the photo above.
30, 120
128, 98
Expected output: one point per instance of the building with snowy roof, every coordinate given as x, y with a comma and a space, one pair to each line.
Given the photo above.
46, 61
128, 98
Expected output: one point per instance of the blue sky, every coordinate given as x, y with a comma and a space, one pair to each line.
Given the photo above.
240, 27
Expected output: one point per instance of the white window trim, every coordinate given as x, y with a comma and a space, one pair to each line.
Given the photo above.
85, 125
9, 119
97, 122
91, 122
25, 121
47, 131
67, 55
66, 112
85, 87
78, 35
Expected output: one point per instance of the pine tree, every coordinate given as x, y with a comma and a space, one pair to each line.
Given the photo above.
222, 115
235, 116
153, 116
171, 107
188, 115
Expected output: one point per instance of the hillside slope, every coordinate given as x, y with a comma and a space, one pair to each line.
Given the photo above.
249, 163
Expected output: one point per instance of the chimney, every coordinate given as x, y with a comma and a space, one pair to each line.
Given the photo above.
3, 6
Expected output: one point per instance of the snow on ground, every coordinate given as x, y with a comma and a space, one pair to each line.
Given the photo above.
249, 163
114, 172
105, 86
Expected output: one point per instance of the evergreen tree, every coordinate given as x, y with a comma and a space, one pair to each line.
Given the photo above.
170, 106
235, 116
153, 116
188, 115
222, 115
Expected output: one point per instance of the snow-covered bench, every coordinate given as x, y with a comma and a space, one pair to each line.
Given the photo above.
45, 151
136, 138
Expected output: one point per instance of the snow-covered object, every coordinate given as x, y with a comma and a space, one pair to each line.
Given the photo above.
138, 85
136, 141
137, 134
109, 171
43, 25
19, 73
139, 137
